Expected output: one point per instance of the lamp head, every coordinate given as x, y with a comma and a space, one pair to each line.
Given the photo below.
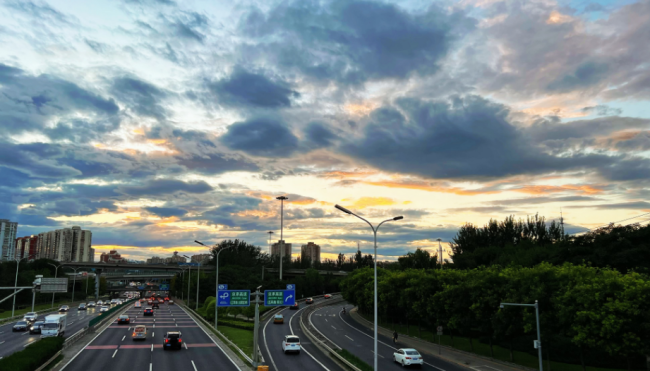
398, 218
199, 242
258, 287
281, 198
502, 306
343, 209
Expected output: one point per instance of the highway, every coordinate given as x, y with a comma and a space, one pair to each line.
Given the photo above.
114, 349
358, 340
272, 335
11, 342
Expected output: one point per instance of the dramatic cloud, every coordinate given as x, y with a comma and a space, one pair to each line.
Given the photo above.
261, 137
243, 88
165, 186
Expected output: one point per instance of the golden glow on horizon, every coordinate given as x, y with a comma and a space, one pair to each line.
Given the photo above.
360, 109
364, 202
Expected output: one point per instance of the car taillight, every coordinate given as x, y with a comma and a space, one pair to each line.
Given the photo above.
134, 334
408, 357
166, 340
180, 341
287, 344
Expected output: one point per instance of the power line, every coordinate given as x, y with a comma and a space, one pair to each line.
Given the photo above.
624, 220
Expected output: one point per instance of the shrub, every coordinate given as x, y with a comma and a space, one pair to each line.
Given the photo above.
33, 356
237, 324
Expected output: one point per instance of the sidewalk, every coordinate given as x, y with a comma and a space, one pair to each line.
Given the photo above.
473, 361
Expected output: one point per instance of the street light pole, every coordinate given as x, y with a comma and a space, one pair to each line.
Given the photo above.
189, 278
74, 281
13, 307
538, 342
374, 231
281, 198
56, 270
216, 294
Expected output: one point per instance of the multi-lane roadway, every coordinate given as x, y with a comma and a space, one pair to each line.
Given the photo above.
11, 342
272, 335
358, 340
114, 349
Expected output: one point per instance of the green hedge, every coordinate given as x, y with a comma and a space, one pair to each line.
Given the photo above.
33, 356
237, 324
363, 366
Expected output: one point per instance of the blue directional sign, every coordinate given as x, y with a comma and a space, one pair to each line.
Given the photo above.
277, 298
223, 286
163, 287
234, 298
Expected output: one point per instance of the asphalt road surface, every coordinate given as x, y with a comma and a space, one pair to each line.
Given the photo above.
272, 335
358, 340
114, 349
11, 342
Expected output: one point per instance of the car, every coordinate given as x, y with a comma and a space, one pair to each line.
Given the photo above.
139, 332
119, 302
103, 308
36, 327
100, 303
328, 296
82, 306
30, 317
295, 306
171, 302
91, 304
173, 339
149, 302
407, 357
113, 301
278, 318
309, 301
166, 299
64, 308
291, 343
147, 311
123, 319
155, 306
20, 326
137, 305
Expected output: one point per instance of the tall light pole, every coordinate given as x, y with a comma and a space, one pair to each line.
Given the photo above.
13, 307
189, 277
56, 270
374, 231
74, 281
538, 342
182, 280
216, 293
440, 252
281, 198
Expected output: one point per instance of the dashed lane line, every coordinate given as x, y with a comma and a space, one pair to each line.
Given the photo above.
193, 365
115, 353
349, 337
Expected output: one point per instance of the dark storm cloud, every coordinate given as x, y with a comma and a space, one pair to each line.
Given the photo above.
13, 178
222, 214
548, 130
35, 161
637, 205
351, 41
215, 163
466, 137
166, 212
165, 186
639, 142
587, 74
144, 98
602, 110
635, 168
319, 135
261, 137
543, 200
244, 88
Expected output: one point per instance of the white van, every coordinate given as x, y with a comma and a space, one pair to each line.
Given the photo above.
54, 325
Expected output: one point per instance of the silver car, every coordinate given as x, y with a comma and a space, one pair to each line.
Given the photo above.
139, 332
30, 317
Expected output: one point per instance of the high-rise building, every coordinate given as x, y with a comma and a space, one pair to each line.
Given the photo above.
26, 247
8, 232
66, 245
310, 251
156, 260
275, 248
175, 259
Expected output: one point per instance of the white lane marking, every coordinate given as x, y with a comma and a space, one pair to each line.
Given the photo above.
27, 333
373, 352
153, 334
349, 337
115, 353
356, 329
2, 342
326, 320
334, 327
193, 365
150, 366
152, 347
123, 337
301, 348
266, 345
185, 345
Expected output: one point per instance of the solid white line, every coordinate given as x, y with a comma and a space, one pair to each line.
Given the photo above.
381, 342
115, 353
301, 348
349, 337
123, 337
266, 345
194, 366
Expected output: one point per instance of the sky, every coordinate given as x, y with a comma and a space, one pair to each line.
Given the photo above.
155, 123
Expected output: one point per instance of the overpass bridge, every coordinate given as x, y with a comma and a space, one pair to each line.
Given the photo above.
301, 272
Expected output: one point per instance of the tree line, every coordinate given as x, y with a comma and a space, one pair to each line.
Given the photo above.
589, 315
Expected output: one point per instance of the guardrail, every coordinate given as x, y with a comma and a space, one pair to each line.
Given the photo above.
318, 338
70, 340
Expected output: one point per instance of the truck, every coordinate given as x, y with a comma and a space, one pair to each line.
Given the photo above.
54, 325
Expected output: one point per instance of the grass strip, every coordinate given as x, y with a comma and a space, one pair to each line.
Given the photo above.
356, 361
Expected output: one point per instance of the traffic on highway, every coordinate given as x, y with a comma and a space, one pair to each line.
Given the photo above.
168, 340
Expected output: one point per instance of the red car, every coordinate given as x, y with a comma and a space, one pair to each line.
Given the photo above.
328, 296
294, 307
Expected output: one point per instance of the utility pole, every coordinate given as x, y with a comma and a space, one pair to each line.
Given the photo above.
256, 332
440, 252
281, 198
562, 223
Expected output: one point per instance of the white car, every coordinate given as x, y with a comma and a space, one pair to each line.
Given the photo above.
30, 317
291, 343
103, 308
91, 304
100, 303
113, 301
407, 357
137, 305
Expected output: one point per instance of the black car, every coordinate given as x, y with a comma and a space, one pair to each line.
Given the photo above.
294, 307
172, 339
123, 319
147, 312
64, 308
20, 326
36, 327
82, 306
155, 305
